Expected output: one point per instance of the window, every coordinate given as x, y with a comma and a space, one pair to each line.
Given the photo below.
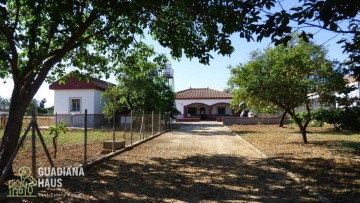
74, 105
221, 110
192, 111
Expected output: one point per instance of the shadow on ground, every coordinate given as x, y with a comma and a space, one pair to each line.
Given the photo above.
337, 180
191, 179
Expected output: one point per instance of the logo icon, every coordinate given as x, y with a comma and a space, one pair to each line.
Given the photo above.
22, 187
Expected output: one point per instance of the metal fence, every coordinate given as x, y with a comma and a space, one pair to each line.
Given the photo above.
88, 137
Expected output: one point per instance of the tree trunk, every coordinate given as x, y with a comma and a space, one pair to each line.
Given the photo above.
281, 124
301, 127
19, 102
302, 130
303, 133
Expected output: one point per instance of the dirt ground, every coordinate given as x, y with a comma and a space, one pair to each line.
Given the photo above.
330, 161
199, 162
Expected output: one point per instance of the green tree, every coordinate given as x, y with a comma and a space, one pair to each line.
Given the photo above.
33, 105
285, 76
141, 86
4, 104
338, 16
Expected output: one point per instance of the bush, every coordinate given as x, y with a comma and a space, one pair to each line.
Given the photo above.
330, 116
345, 119
302, 116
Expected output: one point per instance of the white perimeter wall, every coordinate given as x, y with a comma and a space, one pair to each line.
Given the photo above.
90, 99
180, 103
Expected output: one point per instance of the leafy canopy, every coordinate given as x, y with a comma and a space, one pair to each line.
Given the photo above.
141, 85
287, 77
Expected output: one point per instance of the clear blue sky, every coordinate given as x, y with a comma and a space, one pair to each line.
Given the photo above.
190, 73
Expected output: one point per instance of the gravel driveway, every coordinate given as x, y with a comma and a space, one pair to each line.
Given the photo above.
198, 162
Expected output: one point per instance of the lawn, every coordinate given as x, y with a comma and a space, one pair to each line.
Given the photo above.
330, 161
70, 146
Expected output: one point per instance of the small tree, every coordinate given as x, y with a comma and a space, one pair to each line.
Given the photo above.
55, 131
285, 75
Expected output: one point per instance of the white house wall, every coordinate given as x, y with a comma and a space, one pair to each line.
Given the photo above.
98, 103
89, 99
180, 103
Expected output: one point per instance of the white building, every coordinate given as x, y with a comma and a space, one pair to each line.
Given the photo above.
73, 97
208, 104
355, 94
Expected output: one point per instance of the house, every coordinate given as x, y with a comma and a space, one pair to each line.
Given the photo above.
73, 97
203, 103
354, 94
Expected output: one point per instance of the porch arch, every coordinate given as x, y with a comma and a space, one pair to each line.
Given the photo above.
225, 105
202, 110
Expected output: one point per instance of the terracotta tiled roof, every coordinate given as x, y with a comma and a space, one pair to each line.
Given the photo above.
78, 84
202, 93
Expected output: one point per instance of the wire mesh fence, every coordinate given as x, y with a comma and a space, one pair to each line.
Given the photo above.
88, 137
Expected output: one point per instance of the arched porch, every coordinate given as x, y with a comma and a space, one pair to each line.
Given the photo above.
207, 112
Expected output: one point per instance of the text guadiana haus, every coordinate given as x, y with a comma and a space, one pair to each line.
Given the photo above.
53, 175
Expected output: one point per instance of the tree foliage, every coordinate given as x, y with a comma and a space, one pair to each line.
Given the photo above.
285, 77
338, 16
141, 88
4, 104
37, 105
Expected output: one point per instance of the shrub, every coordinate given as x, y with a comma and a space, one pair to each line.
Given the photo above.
55, 131
345, 119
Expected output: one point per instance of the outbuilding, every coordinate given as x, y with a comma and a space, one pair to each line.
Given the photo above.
74, 96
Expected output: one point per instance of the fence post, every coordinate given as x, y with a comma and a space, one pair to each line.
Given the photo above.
85, 136
131, 127
33, 144
56, 118
152, 123
169, 120
159, 121
166, 121
113, 138
142, 126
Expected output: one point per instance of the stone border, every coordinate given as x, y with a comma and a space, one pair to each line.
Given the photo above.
311, 189
115, 153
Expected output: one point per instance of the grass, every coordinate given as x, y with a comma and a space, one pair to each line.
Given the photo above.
330, 161
70, 147
76, 136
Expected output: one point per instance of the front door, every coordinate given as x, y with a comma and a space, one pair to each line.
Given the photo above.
202, 113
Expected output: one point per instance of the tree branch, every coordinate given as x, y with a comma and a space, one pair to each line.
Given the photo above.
17, 14
47, 65
79, 42
314, 25
308, 119
13, 52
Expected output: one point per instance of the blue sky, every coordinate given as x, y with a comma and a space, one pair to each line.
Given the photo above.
190, 73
